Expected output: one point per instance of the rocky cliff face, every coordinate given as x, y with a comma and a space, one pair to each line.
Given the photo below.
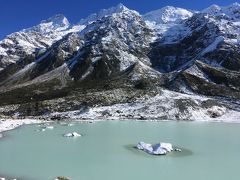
171, 63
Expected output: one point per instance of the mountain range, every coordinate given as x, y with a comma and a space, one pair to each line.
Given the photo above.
170, 63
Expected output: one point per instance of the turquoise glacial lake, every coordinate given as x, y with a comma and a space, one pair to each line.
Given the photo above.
211, 151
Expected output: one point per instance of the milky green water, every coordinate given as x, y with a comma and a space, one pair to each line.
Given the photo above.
211, 151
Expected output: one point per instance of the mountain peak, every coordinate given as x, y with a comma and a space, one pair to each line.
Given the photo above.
106, 12
235, 7
232, 11
115, 9
168, 7
120, 7
168, 14
213, 9
58, 19
236, 4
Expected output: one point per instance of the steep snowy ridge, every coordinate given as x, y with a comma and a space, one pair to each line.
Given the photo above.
123, 35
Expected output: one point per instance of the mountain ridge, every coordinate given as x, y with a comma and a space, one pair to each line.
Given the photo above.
117, 56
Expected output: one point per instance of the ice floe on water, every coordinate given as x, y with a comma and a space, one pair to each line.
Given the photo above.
156, 149
73, 134
49, 127
44, 128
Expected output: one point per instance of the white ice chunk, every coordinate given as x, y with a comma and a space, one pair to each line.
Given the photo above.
157, 149
49, 127
74, 134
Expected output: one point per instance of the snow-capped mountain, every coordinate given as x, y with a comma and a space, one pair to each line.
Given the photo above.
106, 12
168, 14
230, 12
34, 40
178, 60
167, 22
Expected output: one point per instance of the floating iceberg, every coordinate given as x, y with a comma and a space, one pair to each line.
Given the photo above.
74, 134
156, 149
178, 150
42, 129
49, 127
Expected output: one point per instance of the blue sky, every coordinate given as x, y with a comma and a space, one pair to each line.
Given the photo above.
18, 14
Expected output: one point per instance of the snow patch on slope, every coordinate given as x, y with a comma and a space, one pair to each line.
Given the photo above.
213, 46
3, 51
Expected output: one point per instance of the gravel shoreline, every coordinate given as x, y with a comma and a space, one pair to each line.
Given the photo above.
10, 124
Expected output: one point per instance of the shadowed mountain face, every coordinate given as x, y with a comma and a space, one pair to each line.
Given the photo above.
118, 49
